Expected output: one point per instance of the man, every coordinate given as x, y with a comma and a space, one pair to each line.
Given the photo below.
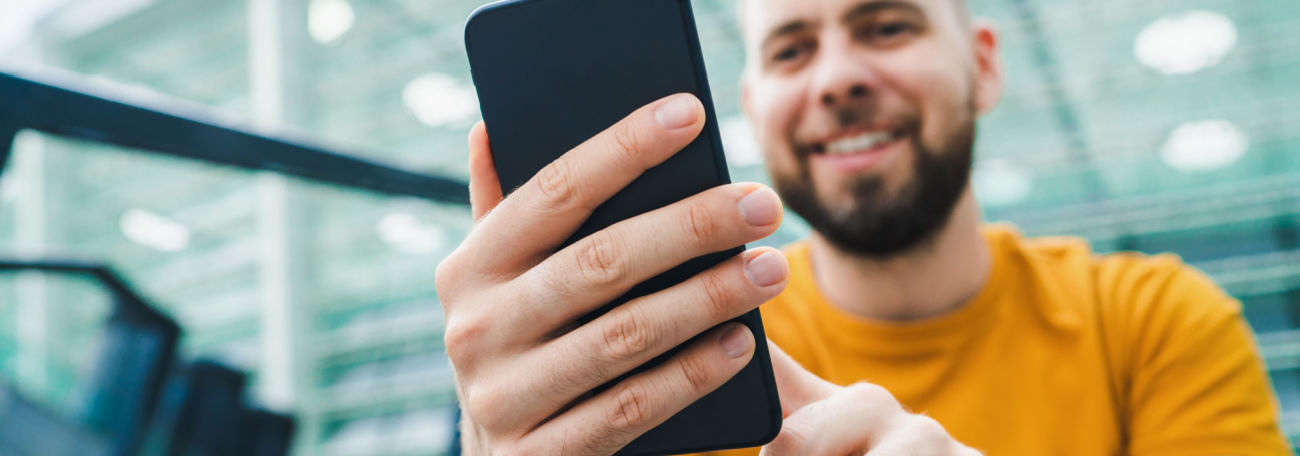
913, 330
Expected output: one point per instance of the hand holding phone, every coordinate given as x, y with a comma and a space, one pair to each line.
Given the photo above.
523, 372
595, 308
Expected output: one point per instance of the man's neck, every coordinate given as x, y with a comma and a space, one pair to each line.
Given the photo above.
931, 280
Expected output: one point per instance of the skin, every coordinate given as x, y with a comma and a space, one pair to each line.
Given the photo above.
523, 370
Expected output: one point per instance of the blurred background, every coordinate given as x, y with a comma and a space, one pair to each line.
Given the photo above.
1158, 126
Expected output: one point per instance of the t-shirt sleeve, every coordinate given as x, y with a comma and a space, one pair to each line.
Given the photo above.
1196, 384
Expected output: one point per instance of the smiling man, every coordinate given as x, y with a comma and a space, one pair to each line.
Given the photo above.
910, 327
866, 112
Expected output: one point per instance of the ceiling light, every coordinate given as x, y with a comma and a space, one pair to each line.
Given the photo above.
1204, 145
329, 20
404, 233
439, 100
739, 143
999, 182
154, 231
1185, 42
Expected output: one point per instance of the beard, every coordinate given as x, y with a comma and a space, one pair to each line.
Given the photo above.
875, 224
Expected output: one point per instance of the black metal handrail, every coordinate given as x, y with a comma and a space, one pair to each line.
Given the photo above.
133, 362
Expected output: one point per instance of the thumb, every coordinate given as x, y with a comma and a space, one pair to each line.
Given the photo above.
484, 188
795, 385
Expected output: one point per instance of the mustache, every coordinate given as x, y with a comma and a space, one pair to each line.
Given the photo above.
854, 115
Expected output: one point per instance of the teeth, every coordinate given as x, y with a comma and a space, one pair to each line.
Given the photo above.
857, 143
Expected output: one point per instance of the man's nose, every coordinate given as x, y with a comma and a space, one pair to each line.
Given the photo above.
833, 96
842, 77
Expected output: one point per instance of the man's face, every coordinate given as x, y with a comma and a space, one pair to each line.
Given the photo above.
865, 110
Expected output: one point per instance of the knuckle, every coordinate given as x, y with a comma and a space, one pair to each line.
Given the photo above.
445, 277
701, 225
483, 404
599, 261
555, 182
631, 409
627, 336
695, 371
717, 295
625, 141
459, 337
874, 396
925, 429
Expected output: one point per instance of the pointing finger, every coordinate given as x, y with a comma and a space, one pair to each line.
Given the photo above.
796, 386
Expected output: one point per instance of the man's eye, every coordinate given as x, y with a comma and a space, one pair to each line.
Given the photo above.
888, 30
892, 29
787, 54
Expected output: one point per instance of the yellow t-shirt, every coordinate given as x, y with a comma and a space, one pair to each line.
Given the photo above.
1063, 352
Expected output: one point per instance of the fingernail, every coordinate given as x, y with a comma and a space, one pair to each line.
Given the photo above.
766, 269
678, 112
736, 341
760, 207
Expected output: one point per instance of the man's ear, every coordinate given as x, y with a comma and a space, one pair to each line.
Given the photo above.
988, 65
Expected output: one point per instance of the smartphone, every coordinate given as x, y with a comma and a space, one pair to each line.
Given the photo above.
551, 74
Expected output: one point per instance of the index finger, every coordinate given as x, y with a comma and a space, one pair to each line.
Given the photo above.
548, 208
795, 385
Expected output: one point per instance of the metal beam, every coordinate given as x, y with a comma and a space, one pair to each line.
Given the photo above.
73, 108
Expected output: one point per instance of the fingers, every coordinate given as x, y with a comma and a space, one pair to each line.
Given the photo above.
860, 418
549, 207
846, 422
636, 332
484, 188
795, 385
604, 265
919, 434
612, 419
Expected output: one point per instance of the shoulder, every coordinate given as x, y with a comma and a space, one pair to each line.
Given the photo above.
1159, 304
1122, 276
1150, 281
1130, 294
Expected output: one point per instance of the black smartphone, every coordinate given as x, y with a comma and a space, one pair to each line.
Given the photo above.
551, 74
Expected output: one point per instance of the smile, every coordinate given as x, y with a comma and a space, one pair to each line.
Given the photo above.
858, 150
861, 142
